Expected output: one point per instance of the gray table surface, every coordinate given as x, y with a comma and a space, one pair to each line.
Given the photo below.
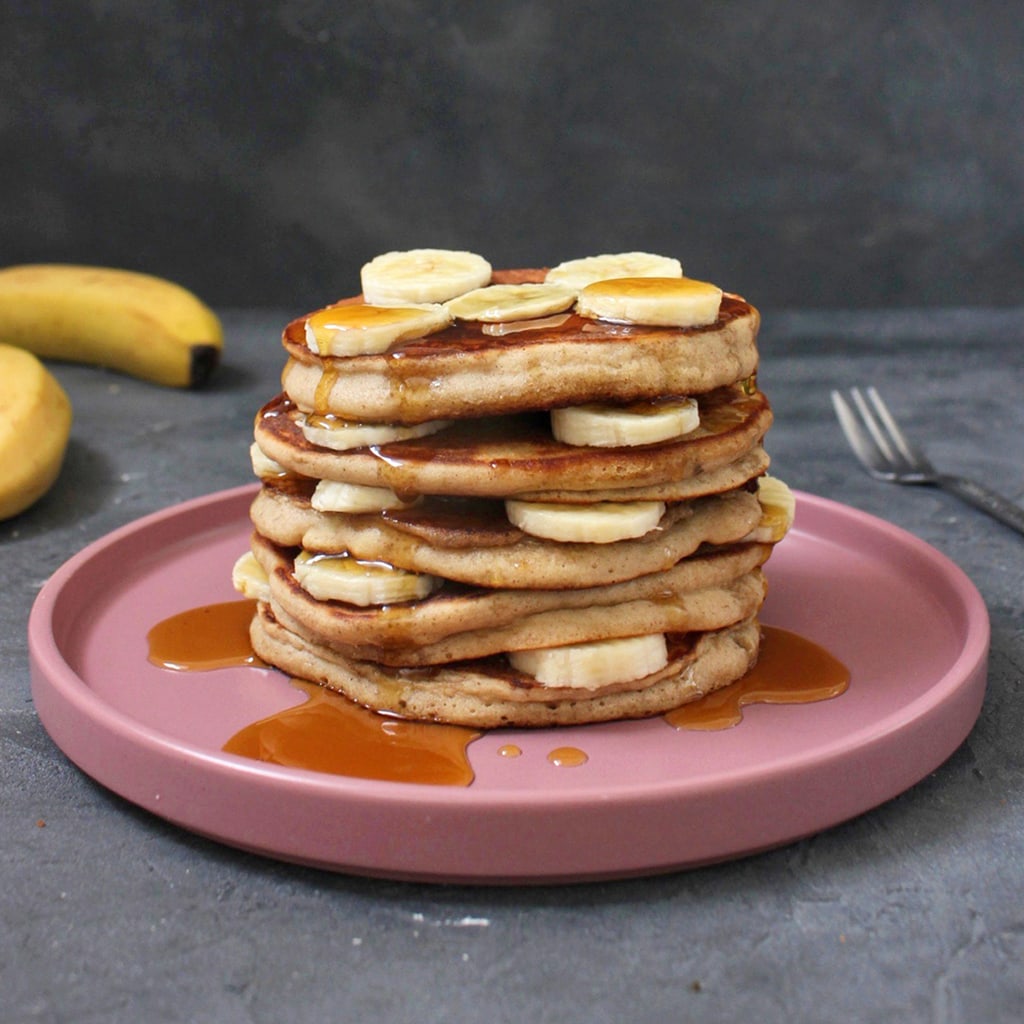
914, 911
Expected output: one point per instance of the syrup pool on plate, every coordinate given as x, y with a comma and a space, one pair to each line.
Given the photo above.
790, 669
329, 733
210, 636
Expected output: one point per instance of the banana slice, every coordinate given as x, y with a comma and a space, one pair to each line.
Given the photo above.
359, 330
249, 579
348, 579
598, 663
577, 274
335, 496
778, 510
543, 323
655, 301
343, 435
263, 465
620, 426
502, 303
600, 523
422, 275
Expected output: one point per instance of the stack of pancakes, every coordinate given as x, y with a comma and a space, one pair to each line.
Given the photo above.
496, 498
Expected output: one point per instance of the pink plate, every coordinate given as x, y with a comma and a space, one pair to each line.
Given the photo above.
907, 622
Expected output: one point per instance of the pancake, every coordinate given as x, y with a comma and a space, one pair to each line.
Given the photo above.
473, 542
504, 456
487, 694
462, 372
703, 592
718, 479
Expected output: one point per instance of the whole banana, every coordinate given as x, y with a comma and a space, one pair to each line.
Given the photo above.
141, 325
35, 423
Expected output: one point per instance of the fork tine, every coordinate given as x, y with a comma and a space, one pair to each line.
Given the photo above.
871, 422
854, 434
898, 437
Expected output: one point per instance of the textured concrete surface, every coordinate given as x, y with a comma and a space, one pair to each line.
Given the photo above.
912, 912
260, 153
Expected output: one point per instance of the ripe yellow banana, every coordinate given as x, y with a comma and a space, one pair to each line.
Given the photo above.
35, 422
141, 325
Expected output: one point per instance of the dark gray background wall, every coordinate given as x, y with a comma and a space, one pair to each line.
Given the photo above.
805, 154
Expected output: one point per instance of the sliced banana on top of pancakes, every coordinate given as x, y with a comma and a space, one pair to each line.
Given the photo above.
422, 275
577, 274
413, 293
505, 303
652, 301
363, 329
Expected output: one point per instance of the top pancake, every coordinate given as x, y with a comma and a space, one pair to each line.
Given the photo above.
462, 372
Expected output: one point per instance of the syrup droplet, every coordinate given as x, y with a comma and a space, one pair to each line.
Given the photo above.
208, 637
790, 670
567, 757
331, 734
509, 750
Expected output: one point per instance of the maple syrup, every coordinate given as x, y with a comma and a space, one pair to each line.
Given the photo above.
456, 521
790, 670
324, 387
329, 733
208, 637
567, 757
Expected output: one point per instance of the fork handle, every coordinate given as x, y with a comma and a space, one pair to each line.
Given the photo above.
979, 496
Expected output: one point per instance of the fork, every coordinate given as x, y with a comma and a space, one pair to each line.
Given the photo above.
887, 454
